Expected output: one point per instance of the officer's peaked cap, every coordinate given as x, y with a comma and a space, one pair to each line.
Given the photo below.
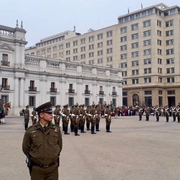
46, 107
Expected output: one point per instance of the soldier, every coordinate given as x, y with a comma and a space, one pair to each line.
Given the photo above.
88, 117
76, 120
178, 113
72, 117
167, 113
57, 115
140, 113
157, 113
42, 144
82, 118
93, 119
26, 117
147, 111
2, 114
107, 115
65, 118
98, 114
33, 116
174, 112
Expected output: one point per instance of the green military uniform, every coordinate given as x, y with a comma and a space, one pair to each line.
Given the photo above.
88, 117
140, 113
42, 145
107, 115
26, 117
82, 118
33, 116
57, 115
98, 114
93, 119
65, 118
76, 120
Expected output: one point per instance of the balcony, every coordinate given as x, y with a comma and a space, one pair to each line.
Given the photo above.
86, 91
101, 92
4, 87
33, 89
114, 93
71, 91
53, 90
5, 63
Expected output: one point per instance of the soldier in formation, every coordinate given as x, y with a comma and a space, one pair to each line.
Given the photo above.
107, 115
57, 115
65, 119
33, 116
26, 117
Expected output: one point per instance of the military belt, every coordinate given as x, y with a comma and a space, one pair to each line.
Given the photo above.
42, 165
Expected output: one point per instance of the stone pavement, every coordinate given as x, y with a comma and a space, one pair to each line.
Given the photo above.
133, 151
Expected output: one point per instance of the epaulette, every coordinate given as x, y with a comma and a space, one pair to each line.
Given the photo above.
53, 126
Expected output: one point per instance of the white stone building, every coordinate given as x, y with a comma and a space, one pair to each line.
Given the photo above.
33, 80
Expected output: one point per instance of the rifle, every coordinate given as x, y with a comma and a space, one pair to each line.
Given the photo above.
29, 163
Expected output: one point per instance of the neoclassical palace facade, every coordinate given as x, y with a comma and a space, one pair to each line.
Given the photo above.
32, 80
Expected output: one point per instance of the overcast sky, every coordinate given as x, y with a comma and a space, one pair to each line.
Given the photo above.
42, 18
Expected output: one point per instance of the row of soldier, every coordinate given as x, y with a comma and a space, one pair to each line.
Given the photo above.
175, 110
78, 117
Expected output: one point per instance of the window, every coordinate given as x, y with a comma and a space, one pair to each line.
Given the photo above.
83, 48
171, 92
137, 15
124, 73
5, 84
91, 54
123, 56
159, 51
147, 61
144, 13
5, 58
67, 45
147, 23
61, 47
91, 62
159, 42
83, 56
75, 50
53, 100
91, 46
55, 48
5, 99
135, 72
124, 65
159, 33
159, 60
134, 27
75, 43
169, 51
109, 33
75, 58
68, 59
170, 70
123, 39
32, 101
147, 42
147, 80
160, 79
55, 55
170, 61
170, 33
135, 54
124, 47
166, 13
109, 59
170, 80
147, 33
100, 52
169, 23
109, 50
160, 92
159, 23
100, 60
109, 42
71, 101
160, 70
135, 63
100, 36
135, 81
135, 45
172, 11
123, 30
132, 17
134, 36
169, 42
48, 50
100, 44
147, 92
87, 102
83, 41
68, 52
147, 51
91, 38
150, 11
147, 71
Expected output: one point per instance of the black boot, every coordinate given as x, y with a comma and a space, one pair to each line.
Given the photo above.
82, 129
92, 130
109, 129
97, 127
76, 132
66, 130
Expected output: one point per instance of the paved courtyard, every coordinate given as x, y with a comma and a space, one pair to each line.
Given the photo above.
135, 150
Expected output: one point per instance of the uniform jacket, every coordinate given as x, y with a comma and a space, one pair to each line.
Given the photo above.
44, 146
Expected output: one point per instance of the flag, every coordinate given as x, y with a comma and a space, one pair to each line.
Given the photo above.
141, 6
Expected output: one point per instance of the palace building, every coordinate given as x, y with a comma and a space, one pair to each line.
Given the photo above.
34, 79
144, 44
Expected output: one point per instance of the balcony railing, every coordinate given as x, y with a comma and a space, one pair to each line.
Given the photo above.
87, 91
5, 63
71, 91
101, 92
32, 88
4, 87
114, 93
53, 90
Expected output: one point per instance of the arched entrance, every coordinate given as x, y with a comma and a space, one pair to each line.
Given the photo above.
135, 100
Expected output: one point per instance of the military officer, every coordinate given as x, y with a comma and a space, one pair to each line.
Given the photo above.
140, 113
93, 118
82, 118
174, 111
57, 115
157, 112
88, 117
76, 120
107, 115
98, 114
42, 144
65, 118
26, 117
147, 111
167, 113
